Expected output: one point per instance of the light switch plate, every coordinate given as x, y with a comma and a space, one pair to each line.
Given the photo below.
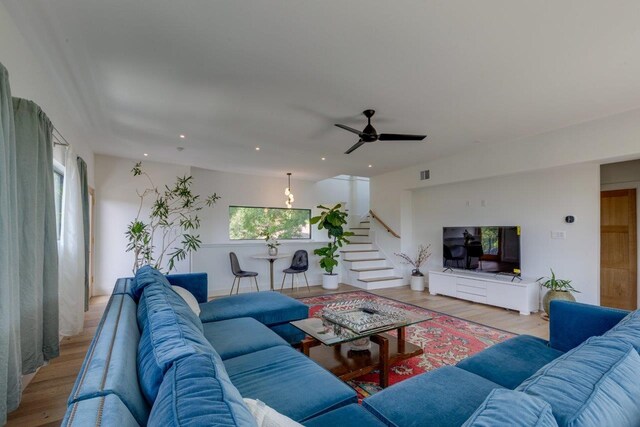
559, 235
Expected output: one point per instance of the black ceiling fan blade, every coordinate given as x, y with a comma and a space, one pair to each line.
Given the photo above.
354, 147
400, 137
357, 132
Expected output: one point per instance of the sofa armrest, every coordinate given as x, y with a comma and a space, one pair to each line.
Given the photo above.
196, 283
571, 323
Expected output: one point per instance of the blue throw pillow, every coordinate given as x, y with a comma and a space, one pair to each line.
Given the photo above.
627, 330
507, 408
196, 391
170, 333
146, 276
596, 384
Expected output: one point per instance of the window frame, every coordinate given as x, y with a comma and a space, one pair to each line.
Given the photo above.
59, 169
295, 239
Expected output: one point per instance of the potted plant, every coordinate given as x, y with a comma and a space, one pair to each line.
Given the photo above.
272, 244
333, 220
417, 278
558, 289
168, 231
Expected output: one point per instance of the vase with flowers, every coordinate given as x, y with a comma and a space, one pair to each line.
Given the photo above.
272, 243
422, 255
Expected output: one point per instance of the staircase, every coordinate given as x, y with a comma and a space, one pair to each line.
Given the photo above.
365, 266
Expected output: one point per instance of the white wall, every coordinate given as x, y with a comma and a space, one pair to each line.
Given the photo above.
117, 204
250, 190
30, 80
614, 138
536, 201
622, 176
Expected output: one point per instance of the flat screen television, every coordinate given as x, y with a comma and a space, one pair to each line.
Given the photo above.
491, 249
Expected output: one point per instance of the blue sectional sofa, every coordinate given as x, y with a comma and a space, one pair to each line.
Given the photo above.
154, 362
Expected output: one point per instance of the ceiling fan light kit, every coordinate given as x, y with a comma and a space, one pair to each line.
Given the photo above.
369, 134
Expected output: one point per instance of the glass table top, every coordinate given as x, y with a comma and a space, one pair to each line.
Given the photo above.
354, 319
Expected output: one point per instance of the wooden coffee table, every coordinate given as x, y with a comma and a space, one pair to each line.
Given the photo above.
329, 345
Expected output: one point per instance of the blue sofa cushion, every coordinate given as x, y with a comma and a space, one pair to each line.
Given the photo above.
110, 364
157, 296
347, 416
288, 332
196, 391
269, 308
511, 362
235, 337
627, 330
169, 334
507, 408
572, 323
146, 276
289, 382
595, 384
443, 397
105, 410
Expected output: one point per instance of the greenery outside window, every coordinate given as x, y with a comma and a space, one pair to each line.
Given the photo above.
254, 223
58, 181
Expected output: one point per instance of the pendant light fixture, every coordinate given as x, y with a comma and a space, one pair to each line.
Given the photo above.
287, 192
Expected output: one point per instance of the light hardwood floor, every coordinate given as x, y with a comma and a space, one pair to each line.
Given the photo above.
44, 400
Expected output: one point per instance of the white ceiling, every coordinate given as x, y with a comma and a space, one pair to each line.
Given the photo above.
233, 75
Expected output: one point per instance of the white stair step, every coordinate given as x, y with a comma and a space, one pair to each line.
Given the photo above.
361, 270
359, 239
376, 273
381, 282
358, 246
367, 263
364, 254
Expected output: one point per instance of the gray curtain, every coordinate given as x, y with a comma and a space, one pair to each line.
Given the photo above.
10, 371
38, 254
84, 194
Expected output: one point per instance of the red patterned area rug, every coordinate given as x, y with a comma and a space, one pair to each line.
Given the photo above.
445, 339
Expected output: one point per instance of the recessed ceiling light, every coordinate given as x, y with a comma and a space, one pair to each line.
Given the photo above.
324, 158
257, 148
370, 166
146, 155
182, 136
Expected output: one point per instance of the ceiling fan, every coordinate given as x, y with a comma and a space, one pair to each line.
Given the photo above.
369, 134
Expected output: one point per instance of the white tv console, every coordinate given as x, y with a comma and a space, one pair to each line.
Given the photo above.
522, 295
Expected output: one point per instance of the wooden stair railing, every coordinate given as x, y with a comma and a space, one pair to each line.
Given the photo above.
382, 223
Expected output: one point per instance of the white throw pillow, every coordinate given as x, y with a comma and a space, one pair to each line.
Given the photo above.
188, 298
268, 417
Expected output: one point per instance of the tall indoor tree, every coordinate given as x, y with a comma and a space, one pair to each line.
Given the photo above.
166, 235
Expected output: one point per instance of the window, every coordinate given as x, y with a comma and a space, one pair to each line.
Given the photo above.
58, 181
252, 223
490, 240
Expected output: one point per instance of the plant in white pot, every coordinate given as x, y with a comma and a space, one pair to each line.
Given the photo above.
417, 278
558, 289
333, 220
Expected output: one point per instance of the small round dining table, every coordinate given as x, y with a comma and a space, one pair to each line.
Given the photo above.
271, 259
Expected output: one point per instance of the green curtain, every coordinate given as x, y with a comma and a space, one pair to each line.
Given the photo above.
38, 254
84, 194
10, 370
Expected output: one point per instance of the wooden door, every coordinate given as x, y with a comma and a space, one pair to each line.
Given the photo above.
92, 213
618, 249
